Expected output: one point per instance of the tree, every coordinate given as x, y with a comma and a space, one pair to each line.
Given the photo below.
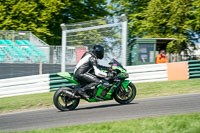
195, 16
44, 17
164, 18
76, 11
168, 19
29, 15
133, 9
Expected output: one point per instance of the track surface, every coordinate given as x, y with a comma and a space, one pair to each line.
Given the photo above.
101, 112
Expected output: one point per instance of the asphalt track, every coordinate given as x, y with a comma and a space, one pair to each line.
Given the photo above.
101, 112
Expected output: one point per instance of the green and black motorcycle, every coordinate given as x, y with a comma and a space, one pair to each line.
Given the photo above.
122, 90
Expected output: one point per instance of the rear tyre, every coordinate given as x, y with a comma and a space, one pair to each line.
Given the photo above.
63, 102
123, 97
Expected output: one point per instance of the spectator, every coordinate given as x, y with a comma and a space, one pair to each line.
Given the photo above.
161, 58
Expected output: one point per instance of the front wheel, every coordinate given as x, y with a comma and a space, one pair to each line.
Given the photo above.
123, 97
63, 102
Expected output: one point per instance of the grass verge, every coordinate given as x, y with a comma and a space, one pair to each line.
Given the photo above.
184, 123
144, 90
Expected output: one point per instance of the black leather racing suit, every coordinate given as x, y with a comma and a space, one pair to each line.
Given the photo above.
84, 69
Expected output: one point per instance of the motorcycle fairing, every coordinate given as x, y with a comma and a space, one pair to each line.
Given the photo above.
67, 76
125, 83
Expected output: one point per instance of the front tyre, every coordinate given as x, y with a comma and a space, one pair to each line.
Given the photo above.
123, 97
63, 102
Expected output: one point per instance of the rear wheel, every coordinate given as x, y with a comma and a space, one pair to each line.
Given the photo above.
63, 102
123, 97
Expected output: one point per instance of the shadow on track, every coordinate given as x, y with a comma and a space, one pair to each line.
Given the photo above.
100, 106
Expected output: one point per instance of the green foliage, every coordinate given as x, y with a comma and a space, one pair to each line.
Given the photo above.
162, 19
195, 16
43, 17
76, 11
133, 9
29, 15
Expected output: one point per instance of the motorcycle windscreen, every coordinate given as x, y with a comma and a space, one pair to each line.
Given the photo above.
116, 63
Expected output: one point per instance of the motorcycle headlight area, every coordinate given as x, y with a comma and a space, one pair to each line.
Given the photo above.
123, 75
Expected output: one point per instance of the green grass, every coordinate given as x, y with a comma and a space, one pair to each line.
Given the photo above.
167, 88
184, 123
26, 102
152, 89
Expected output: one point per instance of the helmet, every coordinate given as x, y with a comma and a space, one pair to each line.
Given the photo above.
98, 51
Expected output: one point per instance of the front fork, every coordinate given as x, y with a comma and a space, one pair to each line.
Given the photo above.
122, 86
125, 83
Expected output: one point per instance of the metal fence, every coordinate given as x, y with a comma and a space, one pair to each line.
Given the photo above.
10, 69
23, 54
24, 47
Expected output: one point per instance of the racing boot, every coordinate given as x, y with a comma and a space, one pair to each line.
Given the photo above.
91, 86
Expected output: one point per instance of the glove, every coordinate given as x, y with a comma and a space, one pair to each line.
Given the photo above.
110, 69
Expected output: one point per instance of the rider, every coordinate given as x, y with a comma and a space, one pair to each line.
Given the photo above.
87, 66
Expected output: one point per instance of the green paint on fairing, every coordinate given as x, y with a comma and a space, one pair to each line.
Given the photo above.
64, 74
125, 83
100, 89
124, 73
67, 76
119, 68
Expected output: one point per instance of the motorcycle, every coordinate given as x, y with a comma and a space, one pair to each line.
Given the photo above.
122, 90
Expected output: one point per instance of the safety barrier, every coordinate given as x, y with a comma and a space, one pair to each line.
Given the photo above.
194, 69
32, 84
148, 73
24, 85
51, 82
56, 82
142, 73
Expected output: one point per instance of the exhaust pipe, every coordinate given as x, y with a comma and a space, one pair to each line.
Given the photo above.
70, 94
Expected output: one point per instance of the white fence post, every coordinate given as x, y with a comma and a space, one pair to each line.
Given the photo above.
64, 39
124, 39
